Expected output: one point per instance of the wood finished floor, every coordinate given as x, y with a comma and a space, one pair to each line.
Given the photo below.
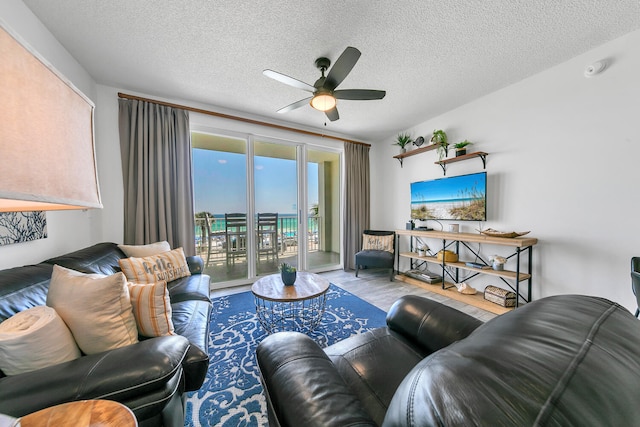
374, 287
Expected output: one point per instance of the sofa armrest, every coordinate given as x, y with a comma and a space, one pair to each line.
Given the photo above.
196, 264
430, 324
302, 386
119, 374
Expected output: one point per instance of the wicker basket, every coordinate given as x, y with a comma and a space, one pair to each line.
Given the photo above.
448, 256
500, 296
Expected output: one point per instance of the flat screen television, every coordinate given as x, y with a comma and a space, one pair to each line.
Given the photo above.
460, 198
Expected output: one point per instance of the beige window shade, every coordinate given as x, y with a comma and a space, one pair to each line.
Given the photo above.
47, 152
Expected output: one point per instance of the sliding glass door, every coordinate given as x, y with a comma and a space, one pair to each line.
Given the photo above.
260, 203
275, 177
323, 208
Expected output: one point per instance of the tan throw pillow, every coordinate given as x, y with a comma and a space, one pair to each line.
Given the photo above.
379, 243
152, 308
34, 339
96, 308
145, 250
166, 266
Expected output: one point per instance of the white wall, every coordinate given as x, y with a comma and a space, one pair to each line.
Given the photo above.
67, 230
564, 153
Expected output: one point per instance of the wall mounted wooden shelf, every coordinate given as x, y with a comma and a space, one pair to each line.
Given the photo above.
481, 154
414, 152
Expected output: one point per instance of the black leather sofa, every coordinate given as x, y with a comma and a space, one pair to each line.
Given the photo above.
559, 361
150, 377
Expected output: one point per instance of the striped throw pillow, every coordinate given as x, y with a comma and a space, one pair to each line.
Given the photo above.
151, 308
165, 266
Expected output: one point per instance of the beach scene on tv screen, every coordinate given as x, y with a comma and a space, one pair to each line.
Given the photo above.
457, 198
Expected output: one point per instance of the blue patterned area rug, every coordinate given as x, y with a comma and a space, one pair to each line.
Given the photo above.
232, 394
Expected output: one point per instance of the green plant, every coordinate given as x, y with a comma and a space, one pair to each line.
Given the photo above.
439, 137
287, 268
403, 139
461, 144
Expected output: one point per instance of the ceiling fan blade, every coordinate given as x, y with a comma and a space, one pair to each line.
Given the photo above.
342, 67
295, 105
359, 94
283, 78
332, 114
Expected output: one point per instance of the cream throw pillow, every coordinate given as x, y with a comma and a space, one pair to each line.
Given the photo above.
34, 339
152, 308
145, 250
96, 308
380, 243
166, 266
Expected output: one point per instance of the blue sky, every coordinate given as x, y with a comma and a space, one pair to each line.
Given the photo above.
220, 183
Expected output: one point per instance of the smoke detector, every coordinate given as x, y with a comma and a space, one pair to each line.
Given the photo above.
595, 68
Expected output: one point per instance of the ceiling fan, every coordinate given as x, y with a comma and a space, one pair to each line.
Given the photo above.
324, 89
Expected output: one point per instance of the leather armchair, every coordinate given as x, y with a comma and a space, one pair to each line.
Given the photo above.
562, 360
353, 381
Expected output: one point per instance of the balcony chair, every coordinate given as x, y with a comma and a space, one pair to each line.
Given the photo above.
267, 236
635, 281
377, 251
236, 236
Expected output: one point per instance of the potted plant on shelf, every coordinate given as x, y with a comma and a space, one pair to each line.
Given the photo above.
288, 274
461, 147
440, 137
402, 140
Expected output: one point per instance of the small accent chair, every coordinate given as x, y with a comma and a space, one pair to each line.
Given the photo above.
267, 231
635, 281
377, 251
236, 235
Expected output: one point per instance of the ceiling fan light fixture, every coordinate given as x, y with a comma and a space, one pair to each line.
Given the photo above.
323, 102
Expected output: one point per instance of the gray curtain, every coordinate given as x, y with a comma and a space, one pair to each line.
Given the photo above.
155, 143
357, 195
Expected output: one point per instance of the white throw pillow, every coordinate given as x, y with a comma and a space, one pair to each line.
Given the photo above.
97, 308
166, 266
152, 308
379, 243
145, 250
34, 339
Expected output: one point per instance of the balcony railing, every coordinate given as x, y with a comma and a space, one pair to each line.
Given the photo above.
215, 251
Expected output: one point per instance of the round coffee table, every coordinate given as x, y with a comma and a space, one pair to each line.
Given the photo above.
290, 308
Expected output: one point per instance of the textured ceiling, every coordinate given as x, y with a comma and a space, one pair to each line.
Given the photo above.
430, 56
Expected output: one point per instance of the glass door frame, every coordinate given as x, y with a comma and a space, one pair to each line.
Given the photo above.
302, 196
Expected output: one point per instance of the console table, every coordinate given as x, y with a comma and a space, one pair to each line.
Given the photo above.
521, 246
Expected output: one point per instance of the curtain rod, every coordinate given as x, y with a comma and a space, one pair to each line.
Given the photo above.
240, 119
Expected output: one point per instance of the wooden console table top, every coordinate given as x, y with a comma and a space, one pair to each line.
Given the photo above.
519, 242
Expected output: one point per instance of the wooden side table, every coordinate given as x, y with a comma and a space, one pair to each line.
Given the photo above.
290, 308
83, 413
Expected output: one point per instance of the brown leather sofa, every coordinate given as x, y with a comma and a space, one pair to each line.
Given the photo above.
567, 360
150, 377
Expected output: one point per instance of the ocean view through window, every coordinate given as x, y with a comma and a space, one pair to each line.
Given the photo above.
275, 229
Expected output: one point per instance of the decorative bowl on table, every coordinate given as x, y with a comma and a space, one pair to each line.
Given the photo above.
509, 234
